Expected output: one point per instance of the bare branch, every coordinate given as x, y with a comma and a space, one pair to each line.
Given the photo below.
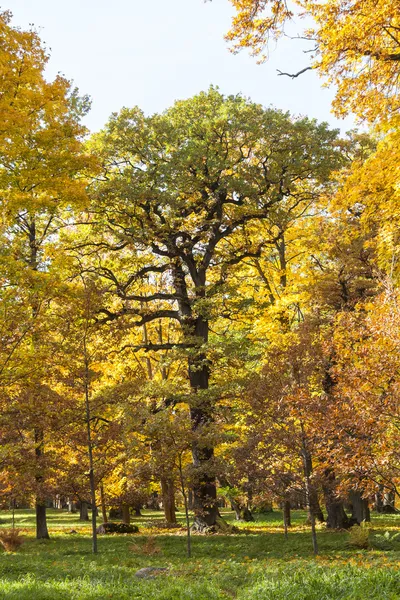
294, 75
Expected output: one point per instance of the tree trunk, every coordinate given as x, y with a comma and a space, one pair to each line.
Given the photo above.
336, 515
379, 499
242, 513
89, 441
41, 519
316, 508
103, 504
359, 507
313, 505
307, 469
168, 495
153, 503
388, 503
41, 522
186, 506
201, 413
137, 508
286, 513
83, 512
126, 515
236, 508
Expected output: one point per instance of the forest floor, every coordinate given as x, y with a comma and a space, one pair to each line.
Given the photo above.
255, 564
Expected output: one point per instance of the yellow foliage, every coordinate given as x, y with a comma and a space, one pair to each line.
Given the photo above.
357, 46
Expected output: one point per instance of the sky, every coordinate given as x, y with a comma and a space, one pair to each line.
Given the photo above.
150, 53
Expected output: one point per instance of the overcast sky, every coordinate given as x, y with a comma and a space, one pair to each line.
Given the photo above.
152, 52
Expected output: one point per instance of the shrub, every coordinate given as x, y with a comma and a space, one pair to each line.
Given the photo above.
358, 536
117, 528
11, 539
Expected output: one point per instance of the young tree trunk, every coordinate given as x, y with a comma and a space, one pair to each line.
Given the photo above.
307, 468
126, 515
286, 517
168, 495
137, 508
103, 503
40, 505
186, 505
13, 514
360, 509
83, 512
313, 505
89, 439
286, 514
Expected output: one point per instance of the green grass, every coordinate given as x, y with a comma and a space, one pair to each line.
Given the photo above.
256, 564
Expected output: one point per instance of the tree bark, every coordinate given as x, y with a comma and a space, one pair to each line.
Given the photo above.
388, 503
359, 507
103, 504
307, 469
316, 507
286, 514
313, 505
204, 484
41, 522
379, 500
126, 515
89, 437
168, 495
40, 506
336, 515
83, 512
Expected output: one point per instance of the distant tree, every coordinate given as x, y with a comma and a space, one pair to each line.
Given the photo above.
42, 163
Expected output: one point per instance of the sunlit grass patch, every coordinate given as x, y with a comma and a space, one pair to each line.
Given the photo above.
255, 564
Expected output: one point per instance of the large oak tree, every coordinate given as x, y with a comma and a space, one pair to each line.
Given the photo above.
181, 194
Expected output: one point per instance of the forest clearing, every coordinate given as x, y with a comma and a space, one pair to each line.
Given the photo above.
255, 564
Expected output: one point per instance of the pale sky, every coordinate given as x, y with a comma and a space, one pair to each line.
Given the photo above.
150, 53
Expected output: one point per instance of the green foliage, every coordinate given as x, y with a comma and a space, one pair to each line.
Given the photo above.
386, 541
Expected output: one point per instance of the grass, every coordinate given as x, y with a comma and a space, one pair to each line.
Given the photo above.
257, 564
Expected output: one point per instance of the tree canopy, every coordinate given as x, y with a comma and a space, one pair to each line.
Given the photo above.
355, 45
